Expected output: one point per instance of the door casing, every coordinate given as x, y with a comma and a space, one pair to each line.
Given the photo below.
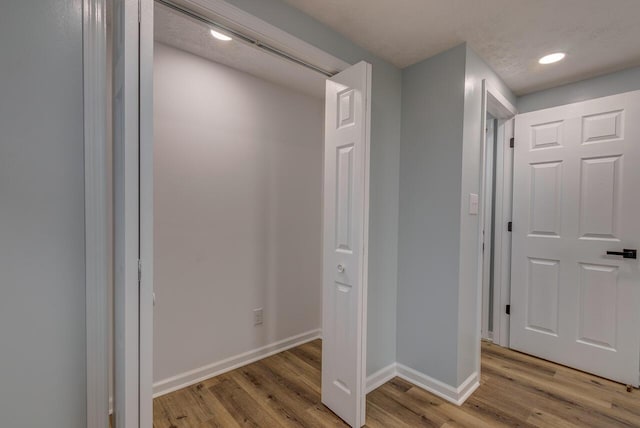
498, 106
94, 36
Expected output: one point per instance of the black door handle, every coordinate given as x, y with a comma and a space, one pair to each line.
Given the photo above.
627, 254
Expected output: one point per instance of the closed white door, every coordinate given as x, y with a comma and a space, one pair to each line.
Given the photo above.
576, 184
345, 240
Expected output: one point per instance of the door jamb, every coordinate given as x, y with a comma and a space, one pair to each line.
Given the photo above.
145, 184
496, 104
94, 46
488, 231
365, 249
502, 250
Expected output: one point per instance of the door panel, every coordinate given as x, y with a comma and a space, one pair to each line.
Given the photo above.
599, 198
543, 286
345, 229
546, 190
576, 175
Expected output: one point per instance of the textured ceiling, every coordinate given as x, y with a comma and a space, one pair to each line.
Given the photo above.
179, 31
599, 36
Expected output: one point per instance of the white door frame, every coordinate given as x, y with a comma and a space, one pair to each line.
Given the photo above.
96, 176
498, 106
126, 193
487, 231
146, 214
502, 241
141, 244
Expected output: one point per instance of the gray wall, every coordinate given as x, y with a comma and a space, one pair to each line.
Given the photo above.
42, 296
438, 238
476, 70
601, 86
385, 155
429, 232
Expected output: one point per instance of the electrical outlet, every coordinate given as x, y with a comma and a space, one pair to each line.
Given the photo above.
257, 316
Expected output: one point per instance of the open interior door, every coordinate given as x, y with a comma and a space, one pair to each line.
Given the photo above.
346, 187
575, 278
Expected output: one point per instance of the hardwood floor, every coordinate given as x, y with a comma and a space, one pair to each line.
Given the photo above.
516, 391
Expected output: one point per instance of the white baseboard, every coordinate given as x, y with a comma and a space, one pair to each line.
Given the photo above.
452, 394
468, 387
381, 377
192, 377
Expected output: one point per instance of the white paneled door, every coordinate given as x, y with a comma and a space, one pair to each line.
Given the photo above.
575, 282
345, 239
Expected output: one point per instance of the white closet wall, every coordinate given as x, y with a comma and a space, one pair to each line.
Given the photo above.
238, 192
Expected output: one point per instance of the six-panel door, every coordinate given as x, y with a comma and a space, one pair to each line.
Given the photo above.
576, 181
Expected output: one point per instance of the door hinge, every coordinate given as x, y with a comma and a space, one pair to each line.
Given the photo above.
508, 310
512, 142
510, 226
139, 271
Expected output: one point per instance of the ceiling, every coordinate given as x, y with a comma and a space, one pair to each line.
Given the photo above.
599, 36
177, 30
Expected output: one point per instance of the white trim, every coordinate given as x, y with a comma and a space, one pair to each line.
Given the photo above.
238, 19
487, 229
94, 39
126, 192
146, 212
382, 376
480, 292
456, 395
362, 354
497, 104
374, 381
192, 377
503, 204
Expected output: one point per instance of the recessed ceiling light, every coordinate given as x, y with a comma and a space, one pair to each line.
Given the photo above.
551, 58
220, 36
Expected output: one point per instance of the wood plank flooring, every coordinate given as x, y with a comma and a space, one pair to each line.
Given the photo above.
516, 391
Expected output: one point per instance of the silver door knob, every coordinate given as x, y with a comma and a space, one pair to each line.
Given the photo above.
340, 268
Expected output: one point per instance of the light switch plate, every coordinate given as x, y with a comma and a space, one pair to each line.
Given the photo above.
473, 204
258, 316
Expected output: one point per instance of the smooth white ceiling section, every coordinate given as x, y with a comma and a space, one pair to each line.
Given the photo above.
177, 30
599, 36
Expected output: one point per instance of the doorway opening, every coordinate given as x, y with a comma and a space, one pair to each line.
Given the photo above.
237, 239
252, 194
495, 217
